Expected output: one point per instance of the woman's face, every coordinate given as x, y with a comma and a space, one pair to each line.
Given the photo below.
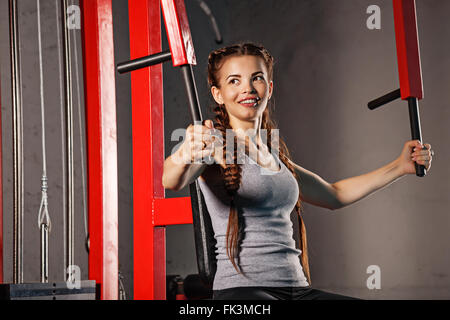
245, 89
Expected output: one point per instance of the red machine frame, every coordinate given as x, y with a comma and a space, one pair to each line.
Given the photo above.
152, 212
100, 97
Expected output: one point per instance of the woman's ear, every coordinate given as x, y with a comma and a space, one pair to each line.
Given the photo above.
215, 92
270, 89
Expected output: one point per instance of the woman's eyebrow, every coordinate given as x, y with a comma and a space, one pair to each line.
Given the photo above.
238, 75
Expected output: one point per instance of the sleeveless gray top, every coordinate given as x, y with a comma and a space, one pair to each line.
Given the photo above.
268, 256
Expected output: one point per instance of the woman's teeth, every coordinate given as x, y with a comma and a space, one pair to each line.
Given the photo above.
249, 103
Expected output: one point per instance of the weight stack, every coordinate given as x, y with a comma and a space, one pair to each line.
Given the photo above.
48, 291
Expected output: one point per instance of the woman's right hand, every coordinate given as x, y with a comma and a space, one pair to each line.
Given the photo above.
198, 144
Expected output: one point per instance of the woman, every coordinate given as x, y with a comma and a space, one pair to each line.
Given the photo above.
251, 194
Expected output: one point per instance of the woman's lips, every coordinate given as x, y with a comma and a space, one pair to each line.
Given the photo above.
248, 104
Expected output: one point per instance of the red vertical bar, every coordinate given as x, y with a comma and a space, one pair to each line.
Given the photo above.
178, 32
99, 76
148, 150
159, 241
408, 54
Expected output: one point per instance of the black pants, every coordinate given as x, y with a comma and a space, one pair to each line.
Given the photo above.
275, 293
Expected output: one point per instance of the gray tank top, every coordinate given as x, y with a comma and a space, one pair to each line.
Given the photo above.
268, 256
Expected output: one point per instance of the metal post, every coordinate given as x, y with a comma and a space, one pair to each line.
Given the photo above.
416, 131
191, 92
69, 227
17, 144
44, 253
100, 97
148, 150
144, 62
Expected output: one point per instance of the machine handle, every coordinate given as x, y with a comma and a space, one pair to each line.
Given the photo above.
391, 96
143, 62
416, 132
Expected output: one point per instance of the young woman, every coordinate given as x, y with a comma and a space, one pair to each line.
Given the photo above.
251, 194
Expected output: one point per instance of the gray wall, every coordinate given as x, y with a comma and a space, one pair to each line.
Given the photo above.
328, 66
32, 142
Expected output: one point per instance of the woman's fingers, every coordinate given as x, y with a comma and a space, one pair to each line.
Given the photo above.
200, 146
426, 164
199, 139
424, 160
418, 152
423, 155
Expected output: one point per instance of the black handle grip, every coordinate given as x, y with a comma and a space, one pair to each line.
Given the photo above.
191, 92
381, 101
203, 230
416, 132
143, 62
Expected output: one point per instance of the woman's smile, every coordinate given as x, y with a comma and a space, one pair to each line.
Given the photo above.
250, 102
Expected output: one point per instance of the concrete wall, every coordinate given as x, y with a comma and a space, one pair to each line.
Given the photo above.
28, 33
328, 66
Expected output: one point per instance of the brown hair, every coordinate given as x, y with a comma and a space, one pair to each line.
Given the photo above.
232, 172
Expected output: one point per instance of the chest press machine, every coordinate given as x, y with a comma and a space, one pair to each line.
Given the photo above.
148, 131
152, 212
98, 65
409, 69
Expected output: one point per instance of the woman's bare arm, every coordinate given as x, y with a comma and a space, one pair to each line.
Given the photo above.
317, 191
177, 175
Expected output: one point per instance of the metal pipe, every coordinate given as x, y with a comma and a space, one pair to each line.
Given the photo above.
416, 131
44, 253
191, 92
17, 127
143, 62
391, 96
69, 227
212, 20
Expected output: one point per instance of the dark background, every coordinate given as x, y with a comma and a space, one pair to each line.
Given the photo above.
328, 66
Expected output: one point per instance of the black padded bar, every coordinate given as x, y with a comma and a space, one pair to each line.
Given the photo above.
416, 131
143, 62
203, 231
391, 96
191, 91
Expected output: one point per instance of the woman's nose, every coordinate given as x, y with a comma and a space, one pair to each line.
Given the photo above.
249, 87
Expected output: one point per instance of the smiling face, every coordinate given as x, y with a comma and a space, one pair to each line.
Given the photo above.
244, 89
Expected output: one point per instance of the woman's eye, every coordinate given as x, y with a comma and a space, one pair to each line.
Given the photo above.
232, 81
261, 77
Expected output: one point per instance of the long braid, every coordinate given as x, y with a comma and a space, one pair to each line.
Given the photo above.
232, 179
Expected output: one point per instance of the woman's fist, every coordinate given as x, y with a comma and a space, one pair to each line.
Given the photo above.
414, 152
198, 145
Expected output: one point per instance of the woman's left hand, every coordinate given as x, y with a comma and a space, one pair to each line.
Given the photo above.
415, 152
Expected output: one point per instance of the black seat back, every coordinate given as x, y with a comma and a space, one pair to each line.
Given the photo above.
205, 243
